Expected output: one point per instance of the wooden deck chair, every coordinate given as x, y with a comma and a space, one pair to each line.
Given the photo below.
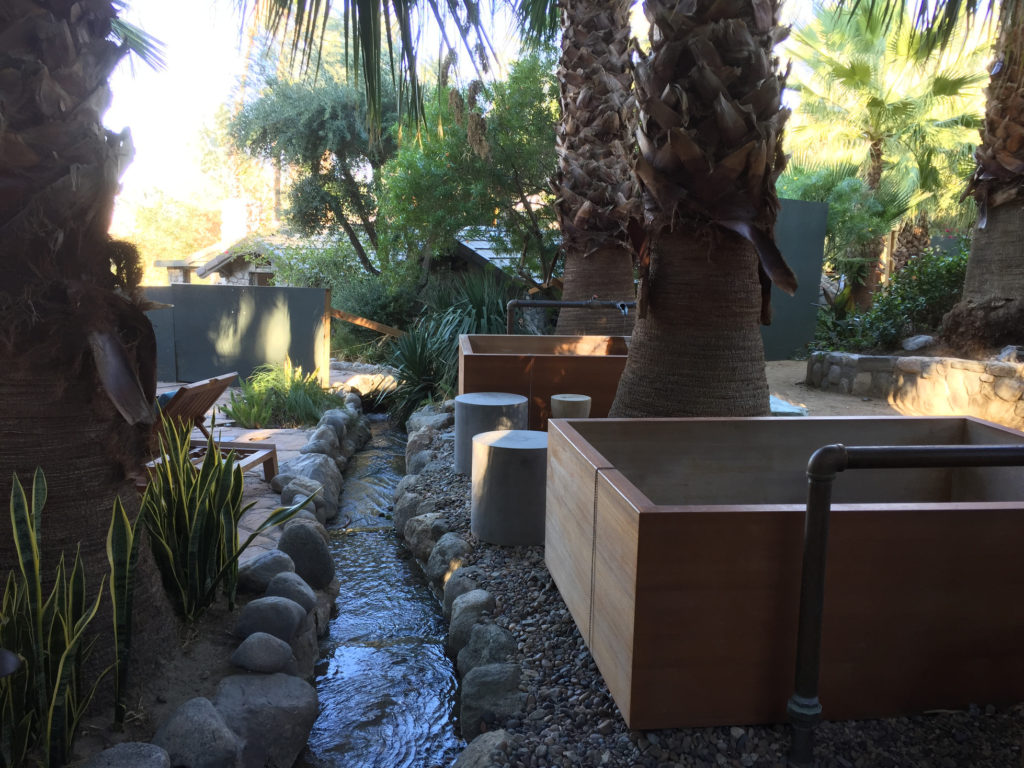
190, 404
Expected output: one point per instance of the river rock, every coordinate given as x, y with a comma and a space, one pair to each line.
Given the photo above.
294, 587
915, 343
422, 533
429, 416
448, 554
196, 736
410, 505
462, 581
1011, 354
418, 461
262, 652
130, 754
337, 420
309, 551
360, 433
305, 647
272, 713
319, 468
490, 694
300, 488
277, 616
488, 750
418, 441
257, 572
407, 483
488, 644
348, 448
314, 524
468, 610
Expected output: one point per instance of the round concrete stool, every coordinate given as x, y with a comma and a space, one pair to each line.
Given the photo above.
509, 485
570, 406
477, 412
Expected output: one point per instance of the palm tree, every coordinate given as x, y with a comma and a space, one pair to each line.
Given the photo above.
77, 352
878, 97
710, 151
991, 312
595, 192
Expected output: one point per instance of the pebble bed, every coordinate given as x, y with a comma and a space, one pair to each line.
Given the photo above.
570, 718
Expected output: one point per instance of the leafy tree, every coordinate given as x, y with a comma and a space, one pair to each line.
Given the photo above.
486, 165
319, 129
167, 228
876, 97
991, 312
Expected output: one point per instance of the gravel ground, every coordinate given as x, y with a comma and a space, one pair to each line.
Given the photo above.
571, 720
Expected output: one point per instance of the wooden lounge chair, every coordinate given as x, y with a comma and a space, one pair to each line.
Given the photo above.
190, 404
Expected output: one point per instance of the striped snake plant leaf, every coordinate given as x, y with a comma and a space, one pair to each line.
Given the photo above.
123, 556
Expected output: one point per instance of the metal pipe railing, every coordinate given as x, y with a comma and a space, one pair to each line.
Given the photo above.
622, 306
804, 707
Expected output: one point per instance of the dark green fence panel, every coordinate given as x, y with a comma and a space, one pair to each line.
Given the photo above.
800, 235
213, 329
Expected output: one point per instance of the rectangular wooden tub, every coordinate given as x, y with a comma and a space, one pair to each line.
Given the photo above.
541, 366
676, 544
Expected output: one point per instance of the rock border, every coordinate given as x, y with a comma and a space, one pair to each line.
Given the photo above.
262, 716
988, 389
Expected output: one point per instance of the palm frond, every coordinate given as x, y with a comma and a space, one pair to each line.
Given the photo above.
137, 41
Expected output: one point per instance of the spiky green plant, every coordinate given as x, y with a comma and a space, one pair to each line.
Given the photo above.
192, 516
42, 703
280, 396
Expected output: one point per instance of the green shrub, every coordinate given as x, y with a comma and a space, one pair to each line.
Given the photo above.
192, 517
913, 302
392, 301
42, 703
280, 396
426, 363
479, 296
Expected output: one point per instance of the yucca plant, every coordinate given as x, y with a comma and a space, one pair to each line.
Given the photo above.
192, 517
123, 556
42, 702
426, 362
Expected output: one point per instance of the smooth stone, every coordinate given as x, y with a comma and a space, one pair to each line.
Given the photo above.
277, 616
313, 561
337, 419
273, 714
468, 610
411, 505
262, 652
490, 694
293, 587
422, 533
429, 417
257, 572
418, 461
130, 754
448, 554
196, 736
915, 343
304, 487
488, 750
463, 580
488, 644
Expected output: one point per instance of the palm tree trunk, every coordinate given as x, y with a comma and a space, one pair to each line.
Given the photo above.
698, 350
74, 340
596, 195
991, 312
604, 274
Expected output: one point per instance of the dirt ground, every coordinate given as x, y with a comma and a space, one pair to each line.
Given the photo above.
786, 380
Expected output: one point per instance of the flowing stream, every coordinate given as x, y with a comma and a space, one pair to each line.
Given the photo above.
387, 690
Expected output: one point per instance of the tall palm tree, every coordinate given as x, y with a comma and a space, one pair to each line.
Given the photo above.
595, 192
710, 132
877, 96
77, 352
991, 312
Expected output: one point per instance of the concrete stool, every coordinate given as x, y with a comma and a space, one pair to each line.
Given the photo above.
477, 412
509, 485
570, 406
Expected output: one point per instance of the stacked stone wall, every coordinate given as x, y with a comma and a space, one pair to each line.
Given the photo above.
926, 386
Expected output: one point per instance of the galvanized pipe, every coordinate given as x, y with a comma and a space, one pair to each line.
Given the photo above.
804, 707
622, 306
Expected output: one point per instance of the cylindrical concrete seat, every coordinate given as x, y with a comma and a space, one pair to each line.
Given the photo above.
570, 406
508, 495
477, 412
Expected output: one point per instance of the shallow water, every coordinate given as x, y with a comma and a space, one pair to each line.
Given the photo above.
387, 690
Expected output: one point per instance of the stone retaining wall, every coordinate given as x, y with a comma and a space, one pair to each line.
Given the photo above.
926, 386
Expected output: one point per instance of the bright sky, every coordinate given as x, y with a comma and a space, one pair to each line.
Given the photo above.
165, 110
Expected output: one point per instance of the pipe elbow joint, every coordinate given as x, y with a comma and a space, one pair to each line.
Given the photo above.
827, 461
